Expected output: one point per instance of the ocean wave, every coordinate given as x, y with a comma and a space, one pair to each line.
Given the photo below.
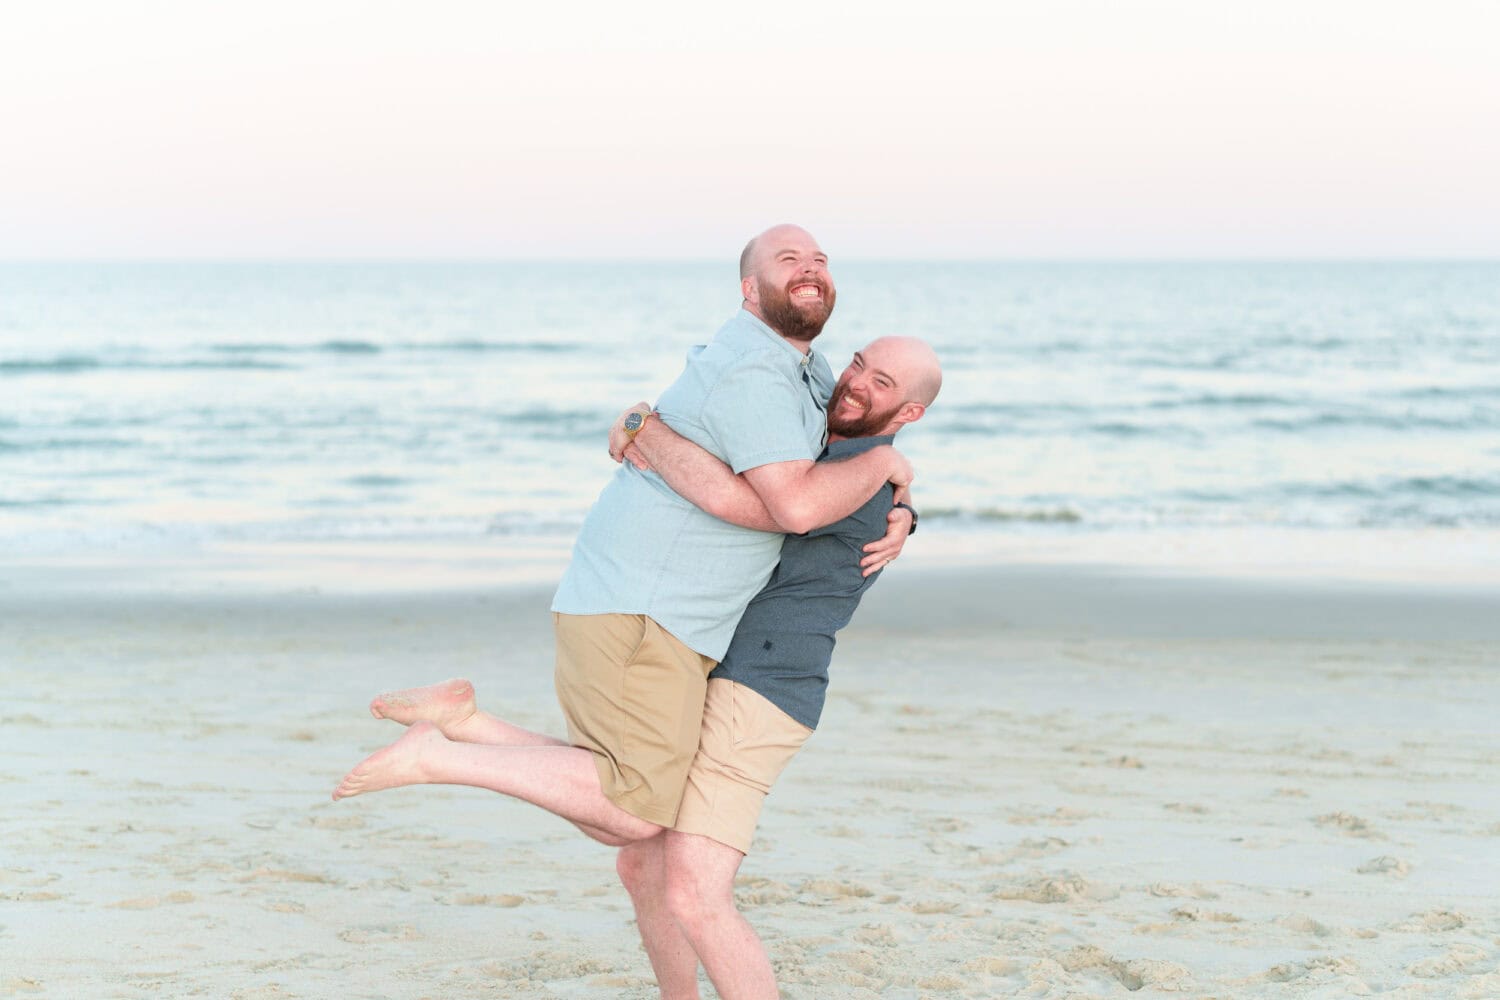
349, 347
70, 365
1388, 488
1004, 515
43, 503
500, 346
455, 346
335, 346
1460, 487
1375, 421
995, 409
224, 366
1122, 429
61, 364
69, 444
1446, 392
1230, 400
564, 423
251, 348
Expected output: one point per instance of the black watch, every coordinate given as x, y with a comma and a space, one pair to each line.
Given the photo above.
913, 511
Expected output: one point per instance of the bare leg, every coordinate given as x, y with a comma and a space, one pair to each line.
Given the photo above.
451, 707
700, 894
642, 868
559, 779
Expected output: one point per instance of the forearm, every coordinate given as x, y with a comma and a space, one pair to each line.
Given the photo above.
802, 496
700, 478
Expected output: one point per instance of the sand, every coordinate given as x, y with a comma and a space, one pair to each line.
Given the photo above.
1041, 780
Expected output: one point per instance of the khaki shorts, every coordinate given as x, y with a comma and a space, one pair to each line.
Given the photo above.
746, 742
633, 694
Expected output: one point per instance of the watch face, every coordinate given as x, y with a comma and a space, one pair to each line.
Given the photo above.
633, 422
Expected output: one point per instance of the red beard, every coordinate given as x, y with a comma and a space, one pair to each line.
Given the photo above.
796, 320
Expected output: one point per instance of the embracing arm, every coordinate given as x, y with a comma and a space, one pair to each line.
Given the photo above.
798, 497
698, 477
804, 495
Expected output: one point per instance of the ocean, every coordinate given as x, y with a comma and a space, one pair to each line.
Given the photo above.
145, 403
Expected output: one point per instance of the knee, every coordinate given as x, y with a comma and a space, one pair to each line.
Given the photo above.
691, 903
635, 868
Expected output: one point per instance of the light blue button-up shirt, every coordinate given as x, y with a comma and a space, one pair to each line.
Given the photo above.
751, 399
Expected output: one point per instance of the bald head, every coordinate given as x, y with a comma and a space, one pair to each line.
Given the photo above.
917, 362
764, 246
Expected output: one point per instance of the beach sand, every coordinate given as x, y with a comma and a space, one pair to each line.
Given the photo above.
1045, 780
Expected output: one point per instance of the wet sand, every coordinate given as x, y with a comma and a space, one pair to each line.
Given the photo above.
1043, 780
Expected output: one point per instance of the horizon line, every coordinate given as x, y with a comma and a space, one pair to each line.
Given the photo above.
651, 259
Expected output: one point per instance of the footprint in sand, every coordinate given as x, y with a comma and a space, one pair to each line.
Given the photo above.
1065, 888
1197, 914
380, 932
1432, 921
1171, 890
1459, 958
152, 902
1290, 972
1351, 826
1134, 975
1385, 865
833, 889
504, 901
1304, 924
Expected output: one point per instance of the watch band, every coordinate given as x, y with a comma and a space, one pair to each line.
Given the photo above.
913, 511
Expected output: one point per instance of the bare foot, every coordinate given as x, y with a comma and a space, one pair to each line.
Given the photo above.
447, 705
398, 764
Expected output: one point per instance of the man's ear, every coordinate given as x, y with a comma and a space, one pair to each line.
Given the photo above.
910, 412
750, 289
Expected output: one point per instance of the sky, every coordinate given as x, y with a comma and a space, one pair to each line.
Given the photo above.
448, 129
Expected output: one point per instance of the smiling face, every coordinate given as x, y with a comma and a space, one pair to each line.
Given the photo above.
864, 401
885, 387
788, 284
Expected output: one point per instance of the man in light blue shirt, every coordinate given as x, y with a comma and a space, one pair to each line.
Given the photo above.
751, 399
655, 586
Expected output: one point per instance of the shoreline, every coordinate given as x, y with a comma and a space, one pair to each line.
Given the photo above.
1053, 779
1456, 559
1373, 585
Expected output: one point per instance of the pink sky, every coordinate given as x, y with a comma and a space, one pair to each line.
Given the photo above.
1068, 129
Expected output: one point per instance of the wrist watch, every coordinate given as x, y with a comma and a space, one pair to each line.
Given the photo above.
634, 421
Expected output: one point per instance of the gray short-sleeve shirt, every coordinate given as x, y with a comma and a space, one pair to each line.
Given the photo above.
784, 643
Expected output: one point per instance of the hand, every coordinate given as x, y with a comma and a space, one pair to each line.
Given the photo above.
901, 472
883, 551
634, 456
618, 439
